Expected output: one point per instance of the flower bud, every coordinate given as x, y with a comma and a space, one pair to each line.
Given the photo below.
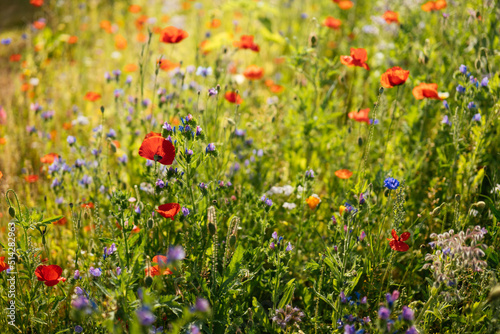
148, 281
12, 212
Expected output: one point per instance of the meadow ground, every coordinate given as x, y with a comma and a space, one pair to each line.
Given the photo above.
238, 166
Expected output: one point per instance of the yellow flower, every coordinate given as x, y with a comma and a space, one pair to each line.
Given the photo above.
341, 210
313, 201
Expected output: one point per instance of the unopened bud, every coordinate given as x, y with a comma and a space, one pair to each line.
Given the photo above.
12, 212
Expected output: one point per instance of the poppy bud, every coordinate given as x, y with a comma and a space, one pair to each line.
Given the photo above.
494, 294
113, 147
148, 281
457, 197
102, 109
360, 141
381, 90
12, 212
150, 223
211, 228
480, 204
313, 40
232, 241
386, 192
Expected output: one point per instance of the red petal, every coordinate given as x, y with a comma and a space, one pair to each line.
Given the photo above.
405, 236
399, 246
394, 234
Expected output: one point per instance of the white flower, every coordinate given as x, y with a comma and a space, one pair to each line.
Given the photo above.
81, 120
289, 206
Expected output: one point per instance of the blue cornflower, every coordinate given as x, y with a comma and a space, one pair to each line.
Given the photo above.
391, 183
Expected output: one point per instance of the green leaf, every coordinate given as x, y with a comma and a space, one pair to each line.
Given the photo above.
50, 220
288, 293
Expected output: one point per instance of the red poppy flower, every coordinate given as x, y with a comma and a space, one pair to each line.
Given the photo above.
169, 210
50, 275
31, 178
394, 77
215, 23
434, 5
72, 39
134, 9
360, 116
156, 147
39, 25
253, 72
343, 174
120, 42
129, 68
344, 4
425, 90
233, 97
3, 265
167, 65
156, 271
15, 58
246, 42
172, 35
48, 158
88, 205
358, 58
36, 3
140, 22
332, 23
391, 17
92, 96
397, 243
61, 221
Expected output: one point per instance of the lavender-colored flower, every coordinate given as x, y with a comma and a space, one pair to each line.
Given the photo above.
272, 245
160, 184
287, 317
176, 253
202, 305
349, 329
145, 316
203, 186
96, 272
275, 235
185, 211
446, 120
204, 71
391, 183
303, 16
80, 303
129, 80
343, 298
477, 117
123, 159
6, 41
210, 147
71, 140
239, 132
362, 236
59, 200
460, 89
310, 174
407, 313
445, 104
471, 105
137, 209
76, 275
268, 202
412, 330
289, 247
463, 69
111, 249
485, 81
78, 329
111, 134
85, 181
194, 330
189, 152
118, 271
212, 92
79, 291
384, 313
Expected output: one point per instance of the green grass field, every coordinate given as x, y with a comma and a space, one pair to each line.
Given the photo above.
249, 166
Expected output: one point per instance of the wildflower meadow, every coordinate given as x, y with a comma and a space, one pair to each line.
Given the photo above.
250, 166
